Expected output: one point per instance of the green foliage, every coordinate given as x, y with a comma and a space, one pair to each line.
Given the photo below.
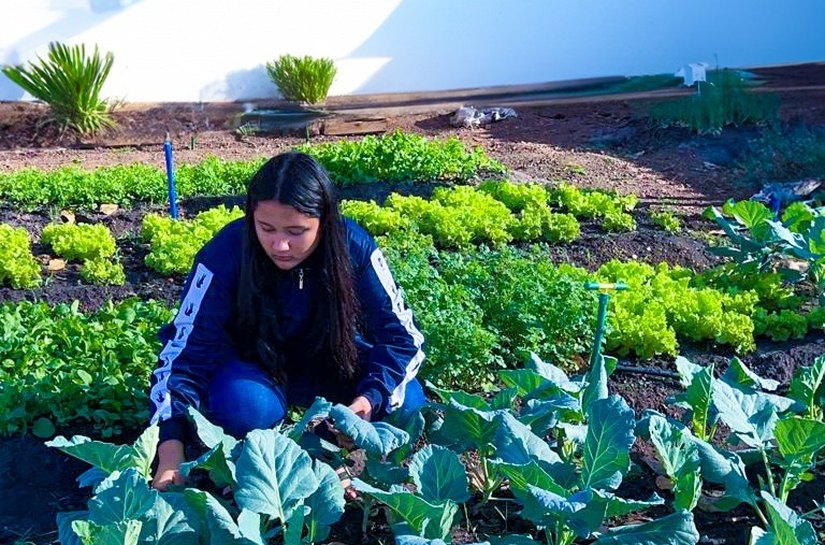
590, 204
81, 241
18, 267
773, 292
374, 218
70, 82
124, 184
104, 272
534, 219
302, 79
174, 243
400, 157
216, 177
277, 489
67, 365
528, 303
462, 216
662, 304
667, 220
459, 346
759, 243
456, 217
723, 100
784, 444
781, 325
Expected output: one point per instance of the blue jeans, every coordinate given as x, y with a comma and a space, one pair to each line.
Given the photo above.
243, 397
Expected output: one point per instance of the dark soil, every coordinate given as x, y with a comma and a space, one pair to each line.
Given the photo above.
602, 144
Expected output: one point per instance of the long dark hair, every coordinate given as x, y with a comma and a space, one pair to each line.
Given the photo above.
297, 180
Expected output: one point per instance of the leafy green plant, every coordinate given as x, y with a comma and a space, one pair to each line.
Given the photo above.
459, 345
456, 217
70, 82
780, 326
567, 493
17, 264
80, 241
766, 425
724, 99
462, 216
528, 303
662, 304
534, 219
590, 204
71, 186
67, 365
667, 220
759, 243
400, 157
174, 243
441, 486
303, 79
277, 491
103, 271
374, 218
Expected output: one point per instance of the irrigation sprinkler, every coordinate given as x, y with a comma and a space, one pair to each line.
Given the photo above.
604, 298
170, 177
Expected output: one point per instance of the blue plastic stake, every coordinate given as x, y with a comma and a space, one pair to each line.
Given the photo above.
170, 177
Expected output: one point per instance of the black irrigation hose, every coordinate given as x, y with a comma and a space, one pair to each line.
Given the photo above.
647, 371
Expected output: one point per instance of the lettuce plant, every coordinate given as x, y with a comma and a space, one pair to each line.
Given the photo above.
174, 243
612, 208
17, 264
80, 241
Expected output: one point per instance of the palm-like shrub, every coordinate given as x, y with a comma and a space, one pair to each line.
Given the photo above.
303, 79
70, 82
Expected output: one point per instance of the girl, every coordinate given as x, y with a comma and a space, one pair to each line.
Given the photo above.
287, 303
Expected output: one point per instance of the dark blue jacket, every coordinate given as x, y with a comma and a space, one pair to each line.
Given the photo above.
200, 337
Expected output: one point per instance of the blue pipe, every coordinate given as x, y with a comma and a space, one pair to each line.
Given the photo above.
170, 177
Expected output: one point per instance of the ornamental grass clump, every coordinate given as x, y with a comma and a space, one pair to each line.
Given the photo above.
303, 79
70, 82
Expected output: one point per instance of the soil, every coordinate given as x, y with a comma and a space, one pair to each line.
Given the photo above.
604, 144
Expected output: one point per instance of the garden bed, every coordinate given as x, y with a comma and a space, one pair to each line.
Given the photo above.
594, 145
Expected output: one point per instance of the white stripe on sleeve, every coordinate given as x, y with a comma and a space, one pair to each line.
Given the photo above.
405, 316
184, 323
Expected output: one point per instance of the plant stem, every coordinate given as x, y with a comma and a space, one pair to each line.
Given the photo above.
783, 488
367, 504
768, 470
761, 516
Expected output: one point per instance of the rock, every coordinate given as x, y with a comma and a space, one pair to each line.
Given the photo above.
109, 209
56, 265
67, 216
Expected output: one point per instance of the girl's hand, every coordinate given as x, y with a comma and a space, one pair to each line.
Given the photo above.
170, 457
165, 477
362, 407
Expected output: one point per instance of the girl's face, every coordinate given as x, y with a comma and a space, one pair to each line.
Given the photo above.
287, 236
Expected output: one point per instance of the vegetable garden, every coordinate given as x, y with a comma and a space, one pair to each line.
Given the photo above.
704, 419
